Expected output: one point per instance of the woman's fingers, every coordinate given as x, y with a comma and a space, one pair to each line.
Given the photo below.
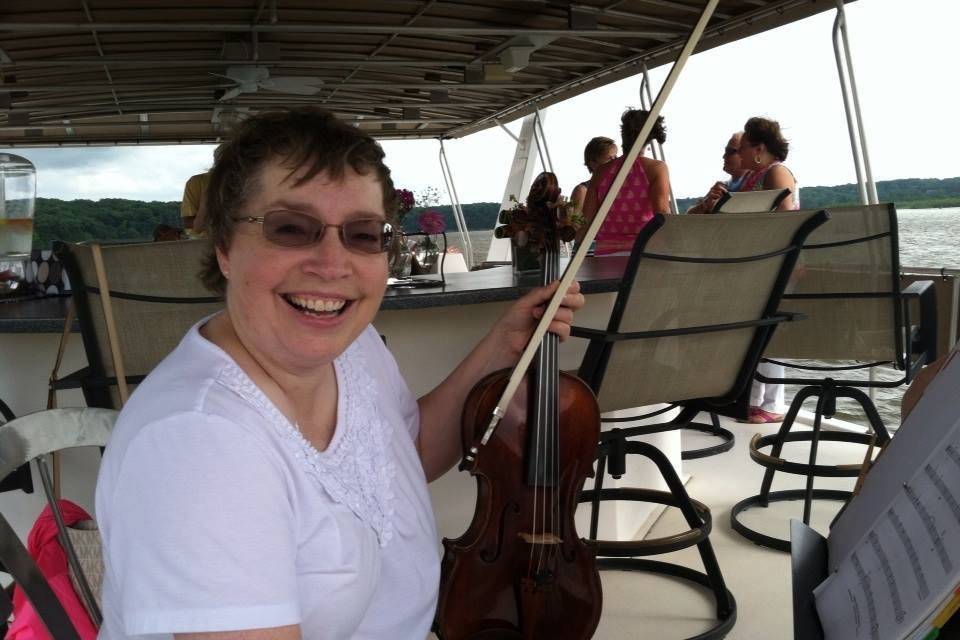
572, 301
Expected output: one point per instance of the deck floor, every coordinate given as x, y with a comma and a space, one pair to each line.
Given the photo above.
639, 605
636, 605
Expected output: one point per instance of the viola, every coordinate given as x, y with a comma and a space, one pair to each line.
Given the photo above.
520, 571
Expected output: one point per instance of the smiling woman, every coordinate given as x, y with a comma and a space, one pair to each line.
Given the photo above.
268, 479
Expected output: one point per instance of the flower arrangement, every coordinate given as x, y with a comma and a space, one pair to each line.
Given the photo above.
528, 225
431, 222
524, 227
405, 202
426, 252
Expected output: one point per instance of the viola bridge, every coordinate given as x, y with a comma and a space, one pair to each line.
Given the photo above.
540, 538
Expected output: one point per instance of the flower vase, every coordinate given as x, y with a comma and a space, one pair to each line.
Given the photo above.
401, 261
526, 259
426, 256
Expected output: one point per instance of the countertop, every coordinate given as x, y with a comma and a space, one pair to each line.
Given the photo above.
597, 275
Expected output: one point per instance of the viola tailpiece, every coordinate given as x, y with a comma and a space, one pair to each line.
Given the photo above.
521, 571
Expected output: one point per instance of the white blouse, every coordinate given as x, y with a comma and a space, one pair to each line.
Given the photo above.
217, 514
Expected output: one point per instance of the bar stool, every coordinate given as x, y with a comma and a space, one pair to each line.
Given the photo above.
696, 308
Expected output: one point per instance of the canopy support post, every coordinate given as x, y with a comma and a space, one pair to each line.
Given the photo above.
518, 181
848, 89
458, 216
542, 142
646, 99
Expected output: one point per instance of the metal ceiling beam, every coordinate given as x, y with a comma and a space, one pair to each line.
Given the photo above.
527, 104
383, 45
138, 126
457, 66
91, 111
519, 86
331, 28
106, 69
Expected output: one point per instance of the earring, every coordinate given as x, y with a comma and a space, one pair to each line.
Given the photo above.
756, 159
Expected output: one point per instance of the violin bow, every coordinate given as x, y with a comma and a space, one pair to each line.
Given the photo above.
574, 265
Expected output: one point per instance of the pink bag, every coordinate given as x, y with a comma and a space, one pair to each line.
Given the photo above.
51, 559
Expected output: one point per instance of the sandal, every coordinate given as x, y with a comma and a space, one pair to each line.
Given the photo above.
757, 415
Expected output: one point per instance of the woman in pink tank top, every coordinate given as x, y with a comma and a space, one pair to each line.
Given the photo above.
763, 149
646, 190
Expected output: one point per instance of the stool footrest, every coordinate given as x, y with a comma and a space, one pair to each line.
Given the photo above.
804, 469
726, 615
653, 546
763, 539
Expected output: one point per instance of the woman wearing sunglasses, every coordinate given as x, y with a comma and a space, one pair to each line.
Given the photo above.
731, 166
268, 479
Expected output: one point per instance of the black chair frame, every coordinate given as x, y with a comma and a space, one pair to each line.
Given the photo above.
614, 444
21, 479
912, 354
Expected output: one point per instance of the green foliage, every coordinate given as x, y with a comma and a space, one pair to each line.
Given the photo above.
117, 219
108, 219
909, 193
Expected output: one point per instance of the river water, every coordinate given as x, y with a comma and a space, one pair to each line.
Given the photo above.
928, 238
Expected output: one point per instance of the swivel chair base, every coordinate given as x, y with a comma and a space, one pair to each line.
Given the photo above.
714, 429
826, 394
619, 555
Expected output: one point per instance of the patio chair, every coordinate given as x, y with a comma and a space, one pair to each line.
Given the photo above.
155, 295
32, 438
696, 308
847, 284
732, 202
750, 201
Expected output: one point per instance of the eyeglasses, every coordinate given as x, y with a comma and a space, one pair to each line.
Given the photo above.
294, 229
729, 151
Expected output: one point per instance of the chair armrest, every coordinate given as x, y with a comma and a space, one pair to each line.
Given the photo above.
918, 289
73, 380
790, 316
590, 334
923, 342
613, 336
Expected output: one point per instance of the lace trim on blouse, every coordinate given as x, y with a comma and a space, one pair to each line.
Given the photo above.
356, 470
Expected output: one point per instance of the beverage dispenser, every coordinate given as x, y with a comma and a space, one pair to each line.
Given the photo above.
18, 192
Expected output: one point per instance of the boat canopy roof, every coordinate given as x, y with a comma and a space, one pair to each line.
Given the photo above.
91, 72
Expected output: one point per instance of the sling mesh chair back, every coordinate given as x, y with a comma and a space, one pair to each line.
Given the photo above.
732, 202
155, 295
696, 308
32, 438
847, 283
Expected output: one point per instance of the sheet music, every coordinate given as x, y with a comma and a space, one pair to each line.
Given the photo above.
907, 563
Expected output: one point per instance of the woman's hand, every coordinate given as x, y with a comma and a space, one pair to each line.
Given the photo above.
439, 441
717, 191
517, 324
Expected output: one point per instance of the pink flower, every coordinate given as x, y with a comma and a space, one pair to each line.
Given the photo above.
431, 221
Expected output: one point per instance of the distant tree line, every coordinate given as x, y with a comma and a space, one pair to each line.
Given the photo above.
117, 219
908, 193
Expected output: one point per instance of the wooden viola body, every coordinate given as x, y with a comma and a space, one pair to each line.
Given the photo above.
520, 571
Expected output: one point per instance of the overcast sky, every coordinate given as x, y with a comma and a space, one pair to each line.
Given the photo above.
905, 54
